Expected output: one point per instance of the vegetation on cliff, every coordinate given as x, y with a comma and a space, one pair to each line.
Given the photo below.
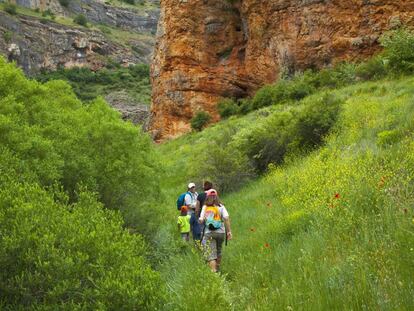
88, 84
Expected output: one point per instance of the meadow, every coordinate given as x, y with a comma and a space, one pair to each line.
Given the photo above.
319, 190
331, 229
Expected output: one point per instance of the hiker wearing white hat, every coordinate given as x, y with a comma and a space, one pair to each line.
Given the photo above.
190, 200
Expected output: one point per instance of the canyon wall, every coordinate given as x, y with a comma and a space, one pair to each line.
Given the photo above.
125, 35
210, 49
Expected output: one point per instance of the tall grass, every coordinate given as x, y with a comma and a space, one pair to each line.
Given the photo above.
330, 231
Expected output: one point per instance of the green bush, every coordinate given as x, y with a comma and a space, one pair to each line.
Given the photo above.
64, 141
316, 119
373, 69
269, 141
59, 256
64, 3
200, 120
399, 50
66, 170
222, 162
88, 84
227, 107
7, 36
81, 19
10, 8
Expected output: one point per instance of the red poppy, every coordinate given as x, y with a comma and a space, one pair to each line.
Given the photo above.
337, 196
267, 245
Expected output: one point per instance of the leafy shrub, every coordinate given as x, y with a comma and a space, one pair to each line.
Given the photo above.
316, 120
7, 36
290, 131
58, 256
67, 142
223, 162
269, 141
399, 50
81, 19
10, 8
200, 120
48, 13
67, 169
88, 84
227, 107
64, 3
132, 2
372, 69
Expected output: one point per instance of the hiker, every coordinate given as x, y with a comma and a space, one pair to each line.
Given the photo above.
207, 185
183, 223
190, 201
216, 229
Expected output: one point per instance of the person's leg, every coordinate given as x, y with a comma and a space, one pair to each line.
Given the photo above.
210, 248
213, 265
219, 245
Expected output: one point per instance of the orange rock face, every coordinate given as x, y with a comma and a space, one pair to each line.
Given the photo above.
210, 49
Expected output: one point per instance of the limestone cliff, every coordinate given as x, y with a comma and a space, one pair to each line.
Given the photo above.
124, 35
209, 49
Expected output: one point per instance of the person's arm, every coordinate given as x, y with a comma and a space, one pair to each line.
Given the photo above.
187, 200
201, 219
197, 209
226, 218
228, 228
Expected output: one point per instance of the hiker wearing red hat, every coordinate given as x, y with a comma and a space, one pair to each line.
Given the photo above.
216, 222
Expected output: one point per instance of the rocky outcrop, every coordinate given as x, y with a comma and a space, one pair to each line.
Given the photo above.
131, 110
137, 19
209, 49
37, 45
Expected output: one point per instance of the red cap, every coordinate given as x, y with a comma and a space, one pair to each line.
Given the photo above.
211, 192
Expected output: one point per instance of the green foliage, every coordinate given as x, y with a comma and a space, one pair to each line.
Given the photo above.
81, 19
132, 2
316, 119
66, 170
10, 8
200, 120
59, 256
48, 13
64, 3
334, 227
227, 107
88, 84
222, 162
7, 36
74, 144
397, 58
399, 50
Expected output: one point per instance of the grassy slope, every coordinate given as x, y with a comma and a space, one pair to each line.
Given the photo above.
329, 230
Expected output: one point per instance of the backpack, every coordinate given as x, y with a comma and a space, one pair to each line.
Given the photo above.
181, 200
213, 218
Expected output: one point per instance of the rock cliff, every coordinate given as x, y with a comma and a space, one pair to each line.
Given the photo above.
209, 49
36, 42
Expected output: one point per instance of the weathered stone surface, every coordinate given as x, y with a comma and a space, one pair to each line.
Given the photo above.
209, 49
50, 45
130, 110
136, 19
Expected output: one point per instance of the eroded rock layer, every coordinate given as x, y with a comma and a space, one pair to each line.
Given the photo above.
209, 49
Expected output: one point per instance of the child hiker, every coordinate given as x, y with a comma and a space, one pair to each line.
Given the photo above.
184, 223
